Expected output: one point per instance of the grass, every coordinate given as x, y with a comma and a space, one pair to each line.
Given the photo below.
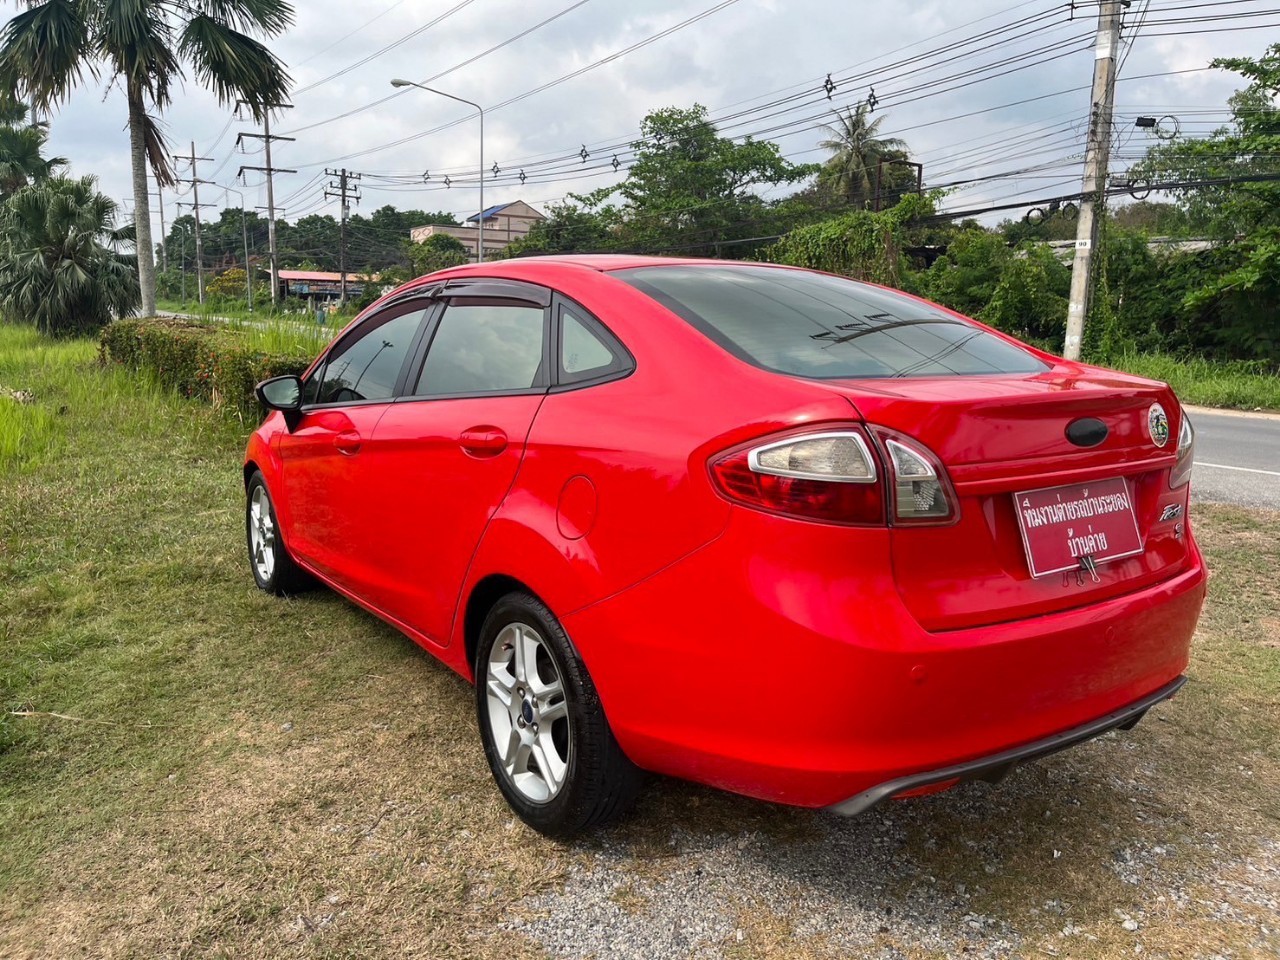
278, 333
1208, 383
191, 768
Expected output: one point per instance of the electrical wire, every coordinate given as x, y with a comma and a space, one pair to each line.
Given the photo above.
412, 34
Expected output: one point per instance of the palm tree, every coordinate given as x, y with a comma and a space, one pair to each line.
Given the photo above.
143, 45
22, 160
856, 152
60, 265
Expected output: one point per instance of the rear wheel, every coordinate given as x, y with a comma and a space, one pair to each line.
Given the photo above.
545, 735
273, 568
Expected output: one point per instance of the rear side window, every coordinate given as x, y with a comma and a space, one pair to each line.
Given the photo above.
812, 325
485, 348
587, 351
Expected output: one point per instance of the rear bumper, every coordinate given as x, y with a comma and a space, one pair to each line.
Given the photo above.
780, 662
995, 767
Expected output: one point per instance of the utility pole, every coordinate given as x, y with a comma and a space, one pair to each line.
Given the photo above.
195, 182
1097, 159
267, 139
164, 232
344, 191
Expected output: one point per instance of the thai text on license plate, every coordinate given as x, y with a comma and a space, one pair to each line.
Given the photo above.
1061, 526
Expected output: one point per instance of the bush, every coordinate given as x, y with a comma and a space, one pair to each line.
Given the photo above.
201, 361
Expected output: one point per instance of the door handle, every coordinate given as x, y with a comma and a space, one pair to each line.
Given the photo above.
483, 441
348, 442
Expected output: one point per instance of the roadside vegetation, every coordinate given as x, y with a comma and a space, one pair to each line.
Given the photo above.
1237, 385
188, 766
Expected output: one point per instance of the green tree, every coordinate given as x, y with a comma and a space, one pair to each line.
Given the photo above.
569, 228
692, 189
860, 244
1240, 207
965, 278
857, 149
22, 159
1030, 299
142, 45
438, 252
60, 266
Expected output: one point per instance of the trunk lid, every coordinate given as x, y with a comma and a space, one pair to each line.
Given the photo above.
1005, 435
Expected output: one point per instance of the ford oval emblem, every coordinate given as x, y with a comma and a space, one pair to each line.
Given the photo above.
1086, 432
1158, 425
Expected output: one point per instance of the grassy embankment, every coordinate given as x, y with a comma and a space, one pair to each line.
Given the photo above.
1206, 383
190, 767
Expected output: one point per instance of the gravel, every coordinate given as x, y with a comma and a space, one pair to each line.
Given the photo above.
955, 875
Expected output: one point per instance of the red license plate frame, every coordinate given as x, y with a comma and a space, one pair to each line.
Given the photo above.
1060, 525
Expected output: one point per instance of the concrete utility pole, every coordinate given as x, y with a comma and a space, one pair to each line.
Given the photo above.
344, 192
1096, 162
266, 137
164, 231
195, 206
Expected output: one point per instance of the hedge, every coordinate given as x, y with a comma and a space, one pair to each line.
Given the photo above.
202, 361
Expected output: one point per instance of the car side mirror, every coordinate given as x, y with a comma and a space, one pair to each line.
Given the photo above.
283, 394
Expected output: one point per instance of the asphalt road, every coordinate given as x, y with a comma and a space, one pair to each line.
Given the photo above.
1237, 459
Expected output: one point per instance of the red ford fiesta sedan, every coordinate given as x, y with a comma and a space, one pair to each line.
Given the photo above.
779, 532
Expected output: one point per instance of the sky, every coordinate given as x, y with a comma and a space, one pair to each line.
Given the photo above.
738, 60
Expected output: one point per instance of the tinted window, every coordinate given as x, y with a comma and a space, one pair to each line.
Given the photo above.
586, 350
811, 325
367, 367
484, 348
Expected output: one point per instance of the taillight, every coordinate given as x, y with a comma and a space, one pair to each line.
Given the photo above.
830, 477
1180, 475
919, 490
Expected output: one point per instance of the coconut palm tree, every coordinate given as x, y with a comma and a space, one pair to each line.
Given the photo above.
22, 160
60, 265
144, 45
856, 151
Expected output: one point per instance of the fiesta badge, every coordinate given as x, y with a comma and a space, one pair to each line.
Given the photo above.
1158, 425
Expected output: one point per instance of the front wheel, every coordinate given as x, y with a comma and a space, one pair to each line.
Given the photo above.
273, 568
545, 735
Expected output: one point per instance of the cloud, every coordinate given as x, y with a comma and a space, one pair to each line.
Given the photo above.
745, 56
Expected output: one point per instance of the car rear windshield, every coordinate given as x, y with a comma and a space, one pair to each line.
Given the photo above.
812, 325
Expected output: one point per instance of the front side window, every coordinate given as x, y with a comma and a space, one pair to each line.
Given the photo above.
368, 366
814, 325
484, 348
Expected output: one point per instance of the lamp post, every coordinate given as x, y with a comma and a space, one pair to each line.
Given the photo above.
480, 109
244, 228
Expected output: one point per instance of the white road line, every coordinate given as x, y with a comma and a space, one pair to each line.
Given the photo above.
1223, 466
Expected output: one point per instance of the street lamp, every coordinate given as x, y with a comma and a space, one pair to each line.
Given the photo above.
480, 225
244, 227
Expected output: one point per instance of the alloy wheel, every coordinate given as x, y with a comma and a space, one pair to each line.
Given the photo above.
262, 534
528, 713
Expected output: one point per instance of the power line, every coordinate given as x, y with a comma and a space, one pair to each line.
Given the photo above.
417, 32
443, 73
546, 86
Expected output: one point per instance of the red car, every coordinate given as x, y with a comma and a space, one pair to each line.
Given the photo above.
779, 532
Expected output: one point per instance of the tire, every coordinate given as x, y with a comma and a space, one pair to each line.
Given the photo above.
544, 731
274, 570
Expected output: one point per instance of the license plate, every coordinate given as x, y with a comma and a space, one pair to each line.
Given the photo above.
1063, 525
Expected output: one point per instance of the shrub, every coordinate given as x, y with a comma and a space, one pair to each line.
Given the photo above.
201, 361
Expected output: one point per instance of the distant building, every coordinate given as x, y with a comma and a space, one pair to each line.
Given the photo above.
503, 224
319, 287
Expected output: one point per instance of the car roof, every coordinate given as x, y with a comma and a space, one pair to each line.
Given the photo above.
543, 269
603, 262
